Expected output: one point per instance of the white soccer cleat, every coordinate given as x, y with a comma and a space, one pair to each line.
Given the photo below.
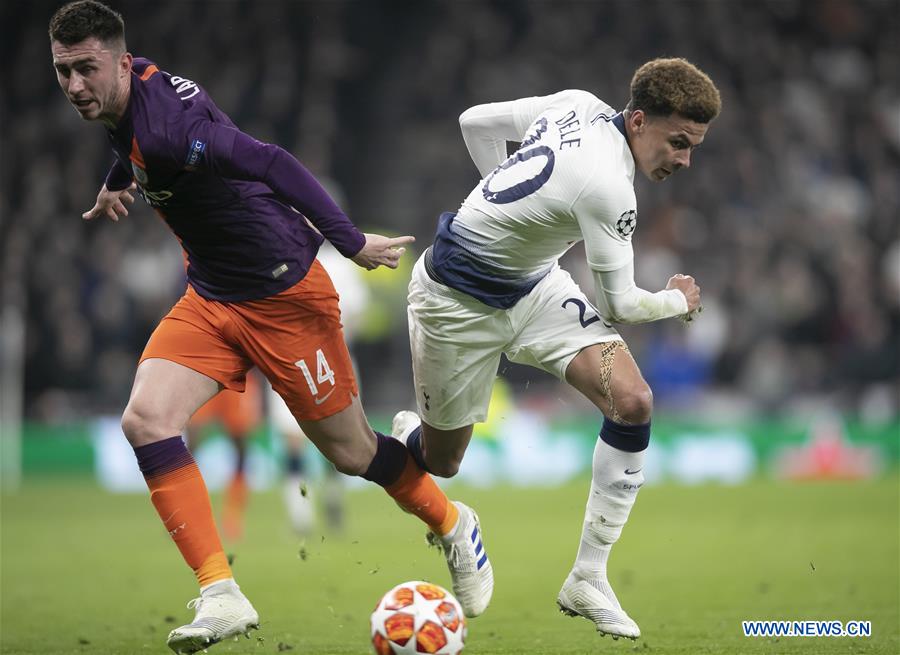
300, 509
403, 424
579, 597
222, 612
470, 568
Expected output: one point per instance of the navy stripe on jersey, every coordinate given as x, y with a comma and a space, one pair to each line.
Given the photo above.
619, 121
454, 261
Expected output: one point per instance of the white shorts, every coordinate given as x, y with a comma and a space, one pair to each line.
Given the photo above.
456, 341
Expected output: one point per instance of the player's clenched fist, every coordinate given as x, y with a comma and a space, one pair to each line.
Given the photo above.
381, 251
111, 203
686, 285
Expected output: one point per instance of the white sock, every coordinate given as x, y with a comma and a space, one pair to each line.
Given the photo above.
454, 531
226, 585
613, 492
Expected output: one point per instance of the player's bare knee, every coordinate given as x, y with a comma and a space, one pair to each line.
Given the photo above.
444, 469
130, 425
349, 463
349, 468
142, 428
635, 406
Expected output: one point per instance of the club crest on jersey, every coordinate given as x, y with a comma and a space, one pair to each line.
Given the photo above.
139, 174
626, 223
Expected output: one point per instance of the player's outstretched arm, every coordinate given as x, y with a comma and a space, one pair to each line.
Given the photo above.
111, 203
230, 153
622, 301
381, 251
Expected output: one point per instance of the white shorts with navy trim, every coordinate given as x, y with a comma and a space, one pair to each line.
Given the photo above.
456, 341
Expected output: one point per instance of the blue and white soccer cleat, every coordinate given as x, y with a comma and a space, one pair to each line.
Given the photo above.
222, 612
581, 597
470, 568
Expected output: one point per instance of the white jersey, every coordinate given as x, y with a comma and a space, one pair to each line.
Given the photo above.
571, 179
491, 284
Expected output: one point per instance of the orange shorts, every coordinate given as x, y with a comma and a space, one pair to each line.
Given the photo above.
294, 338
238, 413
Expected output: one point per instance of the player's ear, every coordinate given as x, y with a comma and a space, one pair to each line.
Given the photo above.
125, 60
638, 119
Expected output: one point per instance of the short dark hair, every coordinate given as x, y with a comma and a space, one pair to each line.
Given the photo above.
663, 87
83, 19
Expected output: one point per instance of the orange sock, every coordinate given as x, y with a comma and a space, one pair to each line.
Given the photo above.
417, 493
179, 494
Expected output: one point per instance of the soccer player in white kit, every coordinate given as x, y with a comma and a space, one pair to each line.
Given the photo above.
491, 284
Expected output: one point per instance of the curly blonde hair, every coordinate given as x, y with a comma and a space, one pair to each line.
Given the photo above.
663, 87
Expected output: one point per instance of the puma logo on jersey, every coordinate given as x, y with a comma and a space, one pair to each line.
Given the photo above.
155, 198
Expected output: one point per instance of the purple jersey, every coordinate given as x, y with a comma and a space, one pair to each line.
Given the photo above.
228, 198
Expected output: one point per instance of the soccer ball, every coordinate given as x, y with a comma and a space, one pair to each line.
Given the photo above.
418, 617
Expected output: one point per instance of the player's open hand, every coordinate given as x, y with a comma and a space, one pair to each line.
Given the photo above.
686, 285
111, 203
381, 251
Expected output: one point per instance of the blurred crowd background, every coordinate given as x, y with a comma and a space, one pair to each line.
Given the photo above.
788, 217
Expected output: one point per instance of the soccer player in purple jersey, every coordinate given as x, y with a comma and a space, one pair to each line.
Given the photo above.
256, 296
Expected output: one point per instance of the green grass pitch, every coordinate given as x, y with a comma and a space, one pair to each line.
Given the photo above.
88, 572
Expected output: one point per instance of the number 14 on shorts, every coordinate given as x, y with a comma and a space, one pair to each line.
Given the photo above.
323, 372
